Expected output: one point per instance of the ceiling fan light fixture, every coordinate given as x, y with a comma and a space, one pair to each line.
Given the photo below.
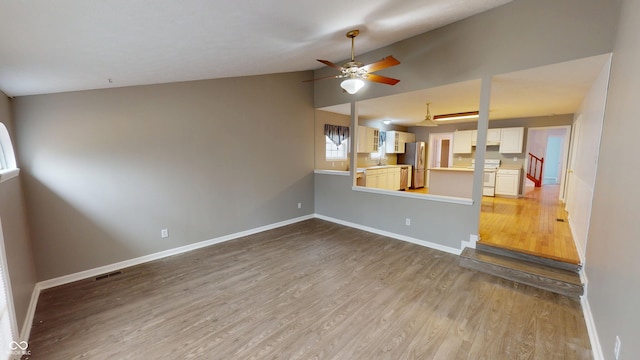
352, 85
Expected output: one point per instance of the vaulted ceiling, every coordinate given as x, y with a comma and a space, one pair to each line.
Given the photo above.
68, 45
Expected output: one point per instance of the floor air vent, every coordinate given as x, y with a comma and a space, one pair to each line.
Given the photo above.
559, 220
104, 276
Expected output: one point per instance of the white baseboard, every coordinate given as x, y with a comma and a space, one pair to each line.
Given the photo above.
392, 235
31, 311
596, 348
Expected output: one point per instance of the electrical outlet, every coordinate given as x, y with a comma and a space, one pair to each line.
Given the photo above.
164, 233
616, 347
407, 222
299, 205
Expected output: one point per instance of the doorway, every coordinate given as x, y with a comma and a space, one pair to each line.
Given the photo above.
552, 144
440, 151
535, 223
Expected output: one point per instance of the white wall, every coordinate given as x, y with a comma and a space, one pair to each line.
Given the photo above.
614, 234
583, 177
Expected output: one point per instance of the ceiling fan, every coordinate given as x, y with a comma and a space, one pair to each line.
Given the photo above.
354, 72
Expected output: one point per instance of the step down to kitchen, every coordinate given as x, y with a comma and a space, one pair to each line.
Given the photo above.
536, 274
527, 257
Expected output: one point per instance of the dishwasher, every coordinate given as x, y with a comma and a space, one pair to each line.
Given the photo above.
404, 177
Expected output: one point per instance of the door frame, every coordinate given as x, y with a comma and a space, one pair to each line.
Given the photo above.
564, 156
434, 143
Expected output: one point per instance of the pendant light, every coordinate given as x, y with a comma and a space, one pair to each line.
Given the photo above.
427, 120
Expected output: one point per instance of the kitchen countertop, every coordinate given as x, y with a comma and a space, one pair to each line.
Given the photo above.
451, 169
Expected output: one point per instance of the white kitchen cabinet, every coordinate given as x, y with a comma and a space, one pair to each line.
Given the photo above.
508, 182
393, 145
493, 137
396, 140
462, 142
511, 140
368, 139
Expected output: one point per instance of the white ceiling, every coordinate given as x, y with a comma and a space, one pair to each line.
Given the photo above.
548, 90
67, 45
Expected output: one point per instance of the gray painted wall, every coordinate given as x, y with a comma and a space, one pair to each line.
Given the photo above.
106, 170
15, 230
613, 241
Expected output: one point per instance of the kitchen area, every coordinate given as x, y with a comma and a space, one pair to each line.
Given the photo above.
404, 160
395, 160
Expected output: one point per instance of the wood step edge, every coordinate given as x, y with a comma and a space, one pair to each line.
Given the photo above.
529, 257
565, 276
559, 287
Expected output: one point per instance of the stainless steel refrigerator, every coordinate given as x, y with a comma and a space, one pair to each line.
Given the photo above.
415, 155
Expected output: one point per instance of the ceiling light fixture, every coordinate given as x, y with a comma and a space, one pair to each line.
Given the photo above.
386, 122
457, 116
427, 120
352, 85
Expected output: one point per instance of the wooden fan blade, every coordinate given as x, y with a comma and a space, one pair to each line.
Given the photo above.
322, 78
330, 64
389, 61
382, 79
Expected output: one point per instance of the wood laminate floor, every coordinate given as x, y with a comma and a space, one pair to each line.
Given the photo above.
311, 290
529, 224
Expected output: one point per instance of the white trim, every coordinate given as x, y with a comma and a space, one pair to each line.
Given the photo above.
7, 174
391, 235
596, 348
420, 196
8, 289
473, 239
31, 311
332, 172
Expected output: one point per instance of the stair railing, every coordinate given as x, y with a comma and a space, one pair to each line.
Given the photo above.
534, 173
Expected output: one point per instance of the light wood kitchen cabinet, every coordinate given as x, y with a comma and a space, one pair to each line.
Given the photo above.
493, 137
462, 141
368, 139
396, 140
387, 178
511, 140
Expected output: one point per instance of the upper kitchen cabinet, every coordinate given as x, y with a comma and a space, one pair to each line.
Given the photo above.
396, 140
368, 139
462, 141
511, 140
493, 137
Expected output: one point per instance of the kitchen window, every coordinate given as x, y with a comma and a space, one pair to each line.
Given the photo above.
336, 152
